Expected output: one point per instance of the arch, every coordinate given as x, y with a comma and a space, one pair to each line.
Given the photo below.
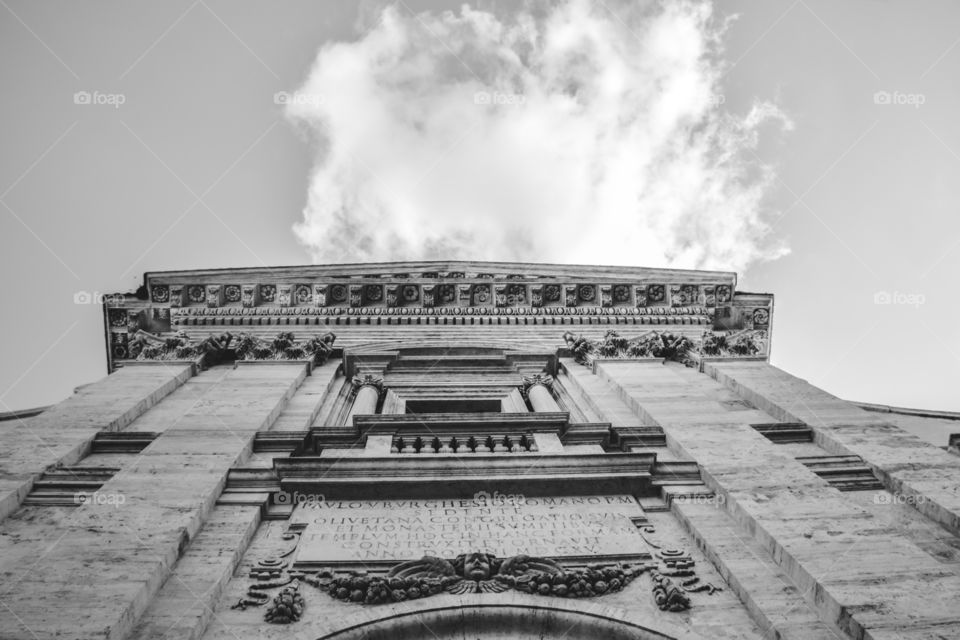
475, 618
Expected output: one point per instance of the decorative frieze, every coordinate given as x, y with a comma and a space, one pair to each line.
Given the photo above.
570, 295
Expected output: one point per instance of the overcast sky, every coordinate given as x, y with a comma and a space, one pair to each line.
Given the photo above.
812, 145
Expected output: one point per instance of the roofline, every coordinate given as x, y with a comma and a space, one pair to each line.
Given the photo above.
906, 411
413, 265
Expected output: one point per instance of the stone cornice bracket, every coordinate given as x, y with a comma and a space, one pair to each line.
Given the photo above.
367, 380
544, 379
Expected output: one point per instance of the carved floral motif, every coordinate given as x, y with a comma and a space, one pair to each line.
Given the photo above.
411, 293
196, 293
551, 293
656, 293
160, 293
231, 293
338, 293
268, 292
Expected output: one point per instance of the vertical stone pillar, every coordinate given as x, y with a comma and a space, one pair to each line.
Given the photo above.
537, 390
368, 389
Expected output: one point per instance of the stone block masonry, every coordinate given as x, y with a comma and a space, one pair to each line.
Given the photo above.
111, 559
62, 434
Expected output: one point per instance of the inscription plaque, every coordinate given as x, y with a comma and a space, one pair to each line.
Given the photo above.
375, 530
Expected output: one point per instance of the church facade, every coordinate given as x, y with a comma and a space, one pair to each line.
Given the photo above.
466, 450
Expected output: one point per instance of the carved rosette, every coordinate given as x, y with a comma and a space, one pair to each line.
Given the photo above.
268, 292
160, 293
303, 295
232, 293
196, 293
656, 293
481, 293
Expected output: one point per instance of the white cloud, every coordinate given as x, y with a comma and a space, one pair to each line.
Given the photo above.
601, 142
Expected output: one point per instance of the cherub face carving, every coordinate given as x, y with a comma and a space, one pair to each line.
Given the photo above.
476, 566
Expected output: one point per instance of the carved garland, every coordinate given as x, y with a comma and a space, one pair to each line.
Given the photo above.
146, 346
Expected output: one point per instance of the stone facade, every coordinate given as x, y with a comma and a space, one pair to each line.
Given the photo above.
453, 450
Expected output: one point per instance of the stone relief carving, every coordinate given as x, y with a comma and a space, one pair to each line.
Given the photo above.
745, 343
475, 573
672, 574
146, 346
285, 347
649, 345
231, 293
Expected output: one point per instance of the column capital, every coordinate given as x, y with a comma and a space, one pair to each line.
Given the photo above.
543, 379
367, 380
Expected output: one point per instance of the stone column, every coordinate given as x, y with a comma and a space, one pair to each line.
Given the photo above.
537, 390
368, 389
